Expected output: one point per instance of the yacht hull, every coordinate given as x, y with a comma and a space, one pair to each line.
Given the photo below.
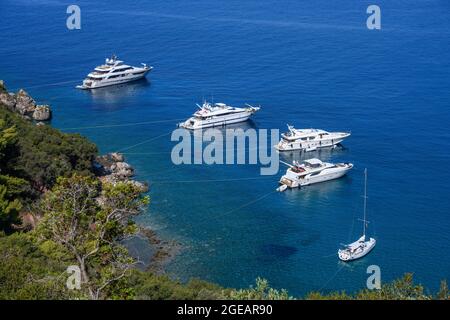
368, 247
216, 122
310, 145
322, 177
112, 82
325, 175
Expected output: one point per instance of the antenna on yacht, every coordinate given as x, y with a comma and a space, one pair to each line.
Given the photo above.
365, 203
290, 128
285, 163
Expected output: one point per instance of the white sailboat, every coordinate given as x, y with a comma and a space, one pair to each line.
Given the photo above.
360, 247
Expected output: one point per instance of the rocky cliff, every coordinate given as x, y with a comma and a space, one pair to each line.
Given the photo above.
23, 104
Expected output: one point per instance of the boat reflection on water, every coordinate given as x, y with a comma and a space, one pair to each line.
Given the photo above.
113, 97
323, 154
316, 192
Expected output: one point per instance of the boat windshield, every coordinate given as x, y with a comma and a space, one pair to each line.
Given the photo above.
297, 169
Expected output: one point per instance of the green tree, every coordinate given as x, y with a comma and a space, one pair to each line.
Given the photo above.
400, 289
10, 187
27, 273
7, 136
89, 221
444, 293
262, 291
9, 210
148, 286
41, 154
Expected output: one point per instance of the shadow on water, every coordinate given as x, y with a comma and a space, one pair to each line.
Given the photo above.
278, 251
354, 265
324, 154
309, 239
112, 97
311, 193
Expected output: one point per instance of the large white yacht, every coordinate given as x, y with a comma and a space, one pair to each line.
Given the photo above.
309, 139
311, 171
113, 72
217, 114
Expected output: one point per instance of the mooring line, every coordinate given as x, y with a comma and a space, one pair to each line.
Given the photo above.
130, 124
143, 142
212, 180
46, 85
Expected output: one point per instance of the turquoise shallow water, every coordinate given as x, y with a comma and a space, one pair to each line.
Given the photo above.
310, 63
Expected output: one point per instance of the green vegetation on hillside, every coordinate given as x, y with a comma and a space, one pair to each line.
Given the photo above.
10, 187
41, 154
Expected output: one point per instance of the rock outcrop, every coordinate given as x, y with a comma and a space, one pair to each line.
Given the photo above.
23, 104
122, 170
6, 98
42, 113
2, 86
112, 168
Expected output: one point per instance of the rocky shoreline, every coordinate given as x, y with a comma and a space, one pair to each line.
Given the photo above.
165, 250
112, 168
23, 104
109, 168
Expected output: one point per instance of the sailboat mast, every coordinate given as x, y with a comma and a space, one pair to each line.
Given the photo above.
365, 200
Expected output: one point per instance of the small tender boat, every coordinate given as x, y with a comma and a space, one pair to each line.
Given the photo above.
217, 114
309, 139
362, 246
311, 171
113, 72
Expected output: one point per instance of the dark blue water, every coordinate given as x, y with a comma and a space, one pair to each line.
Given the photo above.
310, 63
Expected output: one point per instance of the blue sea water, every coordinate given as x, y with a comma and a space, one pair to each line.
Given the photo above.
309, 63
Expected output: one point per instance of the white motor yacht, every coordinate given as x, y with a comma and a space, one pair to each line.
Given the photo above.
362, 246
311, 171
113, 72
309, 139
217, 114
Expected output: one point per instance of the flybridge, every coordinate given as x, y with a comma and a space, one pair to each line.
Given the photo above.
113, 72
217, 114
